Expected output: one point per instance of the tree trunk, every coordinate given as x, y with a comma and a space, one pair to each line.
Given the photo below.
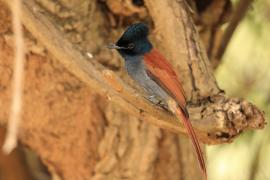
80, 133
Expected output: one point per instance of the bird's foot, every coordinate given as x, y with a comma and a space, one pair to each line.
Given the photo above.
157, 101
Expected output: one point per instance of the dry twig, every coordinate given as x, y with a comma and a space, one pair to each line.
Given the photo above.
238, 15
17, 83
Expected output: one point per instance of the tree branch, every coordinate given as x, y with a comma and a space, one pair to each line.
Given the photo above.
216, 119
222, 117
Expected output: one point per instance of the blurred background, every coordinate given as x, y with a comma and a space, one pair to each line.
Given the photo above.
245, 72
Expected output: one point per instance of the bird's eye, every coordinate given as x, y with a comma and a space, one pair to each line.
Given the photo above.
130, 46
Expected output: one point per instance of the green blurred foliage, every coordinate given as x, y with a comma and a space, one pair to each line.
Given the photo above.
245, 72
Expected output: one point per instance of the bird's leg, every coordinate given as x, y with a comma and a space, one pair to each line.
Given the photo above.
153, 99
157, 101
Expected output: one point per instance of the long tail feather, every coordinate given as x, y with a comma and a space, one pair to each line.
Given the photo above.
181, 115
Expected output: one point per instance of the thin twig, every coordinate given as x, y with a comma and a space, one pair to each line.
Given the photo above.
17, 83
239, 14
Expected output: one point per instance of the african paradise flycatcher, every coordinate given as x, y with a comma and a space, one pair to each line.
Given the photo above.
150, 69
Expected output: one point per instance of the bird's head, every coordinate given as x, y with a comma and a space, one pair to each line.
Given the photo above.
134, 41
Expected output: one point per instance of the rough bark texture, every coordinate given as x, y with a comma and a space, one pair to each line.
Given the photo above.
86, 123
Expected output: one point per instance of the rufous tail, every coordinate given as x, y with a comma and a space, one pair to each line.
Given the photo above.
181, 115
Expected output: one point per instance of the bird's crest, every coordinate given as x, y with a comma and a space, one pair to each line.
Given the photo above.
133, 32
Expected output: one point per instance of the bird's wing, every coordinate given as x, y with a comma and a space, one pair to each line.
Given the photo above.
163, 74
159, 69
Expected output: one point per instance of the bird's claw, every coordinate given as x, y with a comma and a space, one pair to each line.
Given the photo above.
157, 101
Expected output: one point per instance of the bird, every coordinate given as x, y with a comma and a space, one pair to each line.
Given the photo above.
153, 72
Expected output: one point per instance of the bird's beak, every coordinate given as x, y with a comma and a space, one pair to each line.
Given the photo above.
113, 46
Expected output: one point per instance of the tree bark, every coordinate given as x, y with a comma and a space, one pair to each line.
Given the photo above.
87, 121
